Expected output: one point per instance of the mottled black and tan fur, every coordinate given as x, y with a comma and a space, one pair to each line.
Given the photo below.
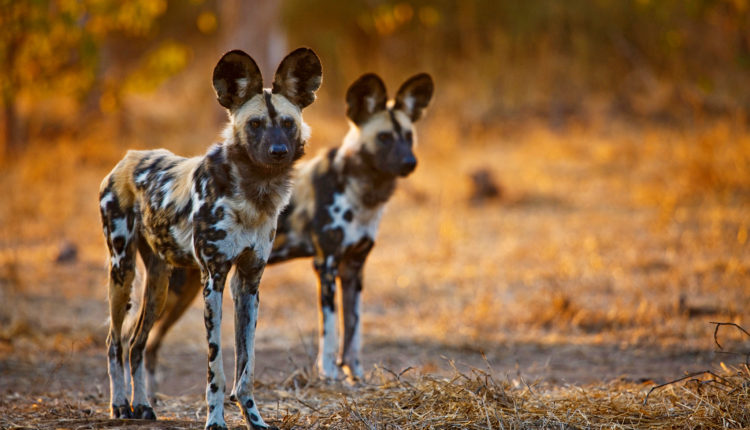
208, 214
337, 202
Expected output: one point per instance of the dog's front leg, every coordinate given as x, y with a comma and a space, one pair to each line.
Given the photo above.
326, 268
351, 336
213, 288
350, 273
244, 287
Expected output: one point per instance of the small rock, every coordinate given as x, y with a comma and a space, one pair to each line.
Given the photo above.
484, 186
68, 253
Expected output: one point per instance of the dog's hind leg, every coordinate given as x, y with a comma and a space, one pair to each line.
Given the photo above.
154, 298
119, 225
184, 285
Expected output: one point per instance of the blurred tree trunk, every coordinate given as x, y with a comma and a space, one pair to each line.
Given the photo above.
13, 122
255, 27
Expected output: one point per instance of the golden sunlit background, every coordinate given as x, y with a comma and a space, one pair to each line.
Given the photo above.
578, 217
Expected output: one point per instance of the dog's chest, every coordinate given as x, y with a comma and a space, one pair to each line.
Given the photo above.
355, 220
237, 225
243, 226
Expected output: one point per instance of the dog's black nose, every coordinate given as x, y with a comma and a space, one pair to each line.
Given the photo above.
278, 151
408, 165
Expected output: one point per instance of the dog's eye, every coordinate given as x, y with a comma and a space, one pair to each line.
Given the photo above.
254, 124
287, 123
385, 138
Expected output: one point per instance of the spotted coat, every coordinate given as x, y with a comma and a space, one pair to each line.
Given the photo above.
205, 214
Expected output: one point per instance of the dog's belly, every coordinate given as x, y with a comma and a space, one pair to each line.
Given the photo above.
181, 239
171, 242
290, 245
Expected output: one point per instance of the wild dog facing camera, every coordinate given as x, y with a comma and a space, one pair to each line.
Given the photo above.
385, 136
205, 214
268, 123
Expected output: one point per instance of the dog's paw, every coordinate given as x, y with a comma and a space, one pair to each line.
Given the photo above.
143, 412
353, 374
263, 427
330, 374
121, 411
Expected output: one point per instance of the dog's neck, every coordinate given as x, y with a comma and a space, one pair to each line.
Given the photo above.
363, 181
267, 188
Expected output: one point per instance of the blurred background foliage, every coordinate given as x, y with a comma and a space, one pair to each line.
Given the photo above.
509, 55
65, 63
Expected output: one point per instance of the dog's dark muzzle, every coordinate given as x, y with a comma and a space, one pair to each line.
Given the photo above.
279, 147
278, 151
408, 164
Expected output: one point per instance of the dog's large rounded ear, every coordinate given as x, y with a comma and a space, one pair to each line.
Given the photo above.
414, 95
298, 77
365, 97
237, 79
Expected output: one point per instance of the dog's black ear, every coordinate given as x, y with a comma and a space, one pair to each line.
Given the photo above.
237, 79
414, 95
298, 77
365, 97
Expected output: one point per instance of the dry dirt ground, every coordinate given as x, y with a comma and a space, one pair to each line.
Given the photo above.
606, 256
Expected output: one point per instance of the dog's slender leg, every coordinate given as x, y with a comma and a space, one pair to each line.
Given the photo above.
351, 338
119, 294
184, 285
350, 273
119, 231
244, 286
326, 269
154, 298
126, 365
213, 289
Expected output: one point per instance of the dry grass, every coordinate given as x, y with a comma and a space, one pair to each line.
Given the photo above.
476, 400
404, 400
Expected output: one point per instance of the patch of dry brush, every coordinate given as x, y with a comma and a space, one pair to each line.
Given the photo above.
478, 401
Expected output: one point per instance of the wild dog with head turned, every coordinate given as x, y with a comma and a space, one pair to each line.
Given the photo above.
207, 213
334, 214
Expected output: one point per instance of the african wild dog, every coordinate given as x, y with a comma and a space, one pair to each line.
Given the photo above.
334, 213
207, 213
